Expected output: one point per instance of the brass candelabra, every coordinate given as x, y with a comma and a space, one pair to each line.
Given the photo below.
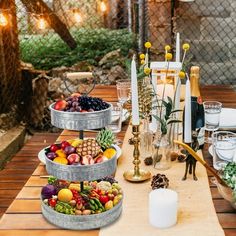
137, 174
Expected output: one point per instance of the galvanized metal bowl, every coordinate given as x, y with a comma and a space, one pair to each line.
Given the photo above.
80, 120
81, 222
82, 172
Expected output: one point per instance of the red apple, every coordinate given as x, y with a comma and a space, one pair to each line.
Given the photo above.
60, 105
54, 148
64, 144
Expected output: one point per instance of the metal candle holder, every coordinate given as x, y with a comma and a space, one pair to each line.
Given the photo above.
136, 175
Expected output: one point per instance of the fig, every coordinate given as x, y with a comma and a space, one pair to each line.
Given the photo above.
51, 155
69, 150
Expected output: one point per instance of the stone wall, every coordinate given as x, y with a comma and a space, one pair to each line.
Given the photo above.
210, 27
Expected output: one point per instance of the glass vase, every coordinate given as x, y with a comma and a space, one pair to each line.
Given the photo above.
161, 151
146, 139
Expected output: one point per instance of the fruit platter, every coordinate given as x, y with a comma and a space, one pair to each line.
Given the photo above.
80, 112
80, 160
66, 205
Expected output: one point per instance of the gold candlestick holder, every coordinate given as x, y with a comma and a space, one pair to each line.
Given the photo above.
136, 175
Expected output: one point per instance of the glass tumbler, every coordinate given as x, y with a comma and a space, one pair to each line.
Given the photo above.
224, 147
212, 110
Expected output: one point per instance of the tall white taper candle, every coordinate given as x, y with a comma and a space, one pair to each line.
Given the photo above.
177, 52
187, 114
134, 93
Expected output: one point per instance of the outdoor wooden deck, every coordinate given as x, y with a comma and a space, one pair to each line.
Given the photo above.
22, 165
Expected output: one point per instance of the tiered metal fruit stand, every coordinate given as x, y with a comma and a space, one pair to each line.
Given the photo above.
81, 121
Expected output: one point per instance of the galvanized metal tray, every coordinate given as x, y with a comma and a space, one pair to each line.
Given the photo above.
81, 222
80, 120
82, 172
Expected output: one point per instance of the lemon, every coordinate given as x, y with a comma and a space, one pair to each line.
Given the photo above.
61, 160
109, 153
65, 195
60, 153
76, 142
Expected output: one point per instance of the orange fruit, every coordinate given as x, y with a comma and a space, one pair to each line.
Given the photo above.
65, 195
60, 153
61, 160
109, 153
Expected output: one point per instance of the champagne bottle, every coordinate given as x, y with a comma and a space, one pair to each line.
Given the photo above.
198, 120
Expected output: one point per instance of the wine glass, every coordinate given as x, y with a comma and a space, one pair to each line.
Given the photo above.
123, 90
116, 120
212, 110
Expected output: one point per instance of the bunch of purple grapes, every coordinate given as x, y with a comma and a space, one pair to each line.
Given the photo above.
85, 104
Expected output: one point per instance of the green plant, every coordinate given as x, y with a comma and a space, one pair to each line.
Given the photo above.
50, 51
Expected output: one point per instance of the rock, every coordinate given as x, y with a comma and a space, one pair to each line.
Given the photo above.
116, 73
110, 59
59, 71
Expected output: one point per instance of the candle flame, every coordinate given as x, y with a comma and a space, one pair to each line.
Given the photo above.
103, 6
42, 24
3, 20
77, 17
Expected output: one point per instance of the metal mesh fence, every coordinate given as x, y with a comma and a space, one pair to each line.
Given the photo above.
96, 36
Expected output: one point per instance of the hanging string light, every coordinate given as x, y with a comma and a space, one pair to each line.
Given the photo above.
78, 17
3, 20
103, 6
42, 24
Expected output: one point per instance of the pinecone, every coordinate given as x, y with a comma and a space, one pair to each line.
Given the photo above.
105, 138
88, 147
148, 161
159, 181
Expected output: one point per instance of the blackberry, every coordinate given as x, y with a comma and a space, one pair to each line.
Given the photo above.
93, 103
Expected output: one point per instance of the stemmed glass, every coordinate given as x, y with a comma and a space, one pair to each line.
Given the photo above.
123, 90
212, 110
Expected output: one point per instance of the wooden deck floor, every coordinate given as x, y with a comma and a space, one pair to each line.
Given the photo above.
20, 168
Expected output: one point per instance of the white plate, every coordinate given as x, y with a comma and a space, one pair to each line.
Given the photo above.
42, 156
210, 150
228, 118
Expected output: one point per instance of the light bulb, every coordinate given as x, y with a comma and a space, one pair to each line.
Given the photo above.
3, 20
103, 6
77, 17
42, 24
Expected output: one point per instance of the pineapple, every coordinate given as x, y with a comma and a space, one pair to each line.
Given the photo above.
88, 147
105, 138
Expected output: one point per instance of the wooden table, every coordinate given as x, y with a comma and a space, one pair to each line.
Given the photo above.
23, 216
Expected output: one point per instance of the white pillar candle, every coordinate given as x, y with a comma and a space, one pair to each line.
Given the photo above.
163, 208
134, 94
187, 114
177, 52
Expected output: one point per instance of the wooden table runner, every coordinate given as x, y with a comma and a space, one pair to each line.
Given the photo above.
196, 214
